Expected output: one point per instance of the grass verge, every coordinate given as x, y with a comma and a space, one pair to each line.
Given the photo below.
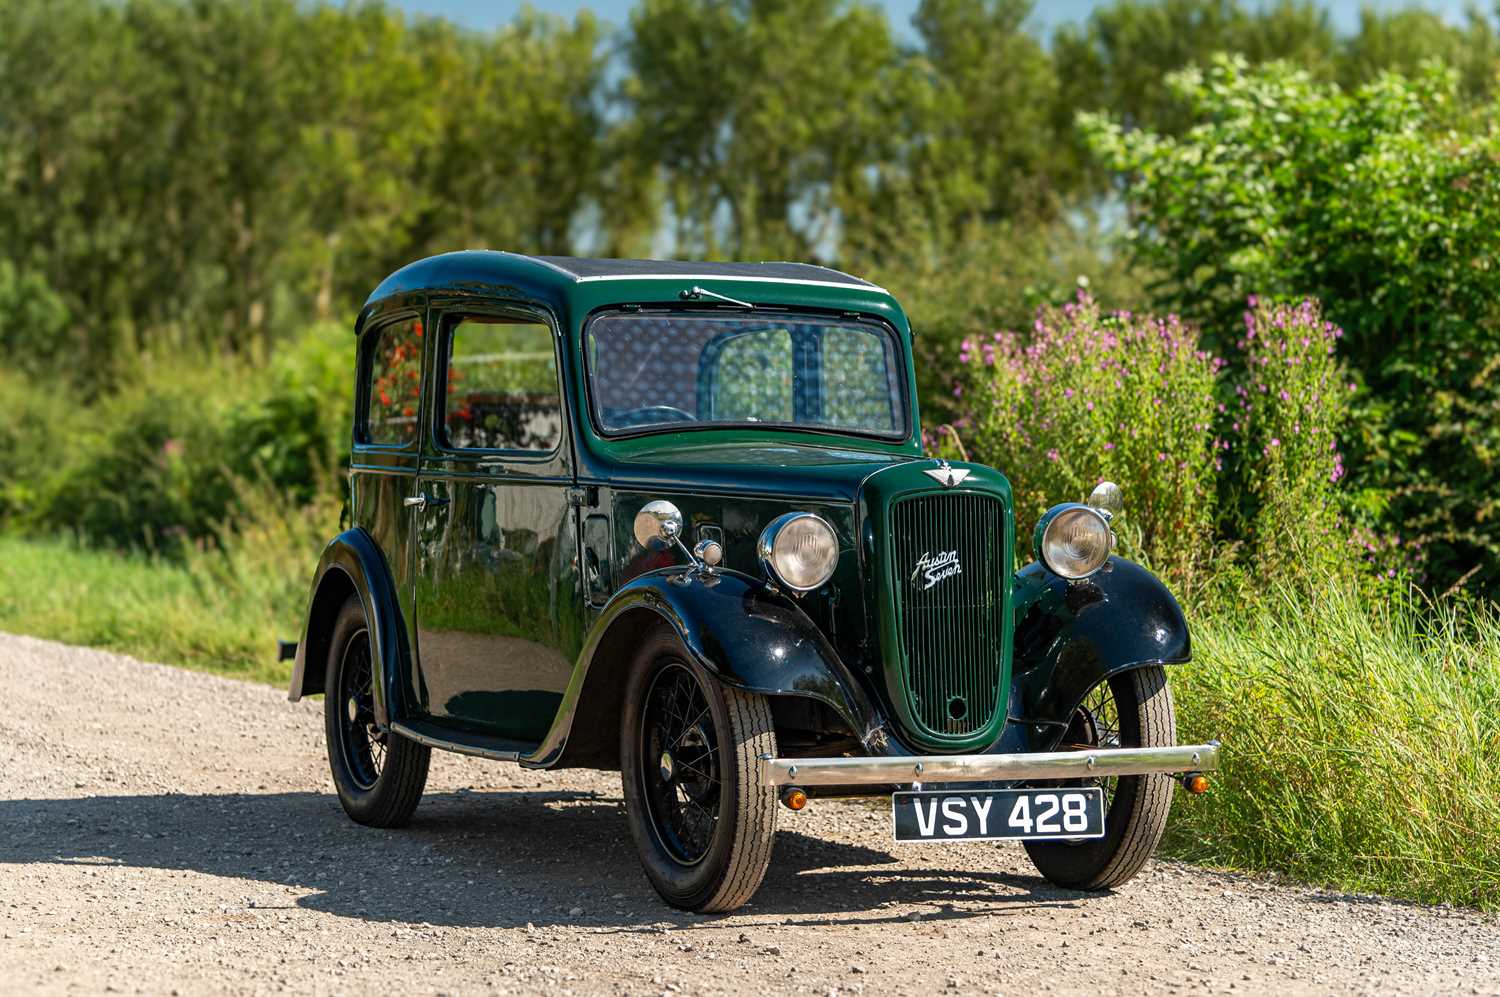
1362, 746
196, 614
215, 608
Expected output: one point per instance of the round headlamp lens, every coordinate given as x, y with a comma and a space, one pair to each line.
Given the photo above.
801, 550
1076, 542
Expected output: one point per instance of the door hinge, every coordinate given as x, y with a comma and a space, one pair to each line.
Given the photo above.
583, 496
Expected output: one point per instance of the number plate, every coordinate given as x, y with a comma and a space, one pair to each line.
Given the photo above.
999, 814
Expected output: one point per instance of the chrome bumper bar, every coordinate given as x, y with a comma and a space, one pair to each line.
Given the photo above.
990, 768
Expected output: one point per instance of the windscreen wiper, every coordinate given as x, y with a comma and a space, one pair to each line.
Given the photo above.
695, 292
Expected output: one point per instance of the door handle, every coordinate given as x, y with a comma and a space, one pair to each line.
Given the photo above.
422, 501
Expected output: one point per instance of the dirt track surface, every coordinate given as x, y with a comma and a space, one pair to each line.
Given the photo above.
169, 832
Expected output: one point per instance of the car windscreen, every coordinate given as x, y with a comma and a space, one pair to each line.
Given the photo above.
681, 371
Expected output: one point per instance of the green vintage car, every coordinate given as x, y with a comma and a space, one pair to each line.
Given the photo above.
675, 520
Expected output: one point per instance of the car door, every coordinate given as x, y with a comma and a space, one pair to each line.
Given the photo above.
497, 593
386, 457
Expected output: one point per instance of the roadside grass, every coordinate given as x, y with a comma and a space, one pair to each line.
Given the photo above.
1362, 745
213, 608
192, 614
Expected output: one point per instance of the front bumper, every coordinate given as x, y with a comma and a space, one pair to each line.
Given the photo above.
909, 769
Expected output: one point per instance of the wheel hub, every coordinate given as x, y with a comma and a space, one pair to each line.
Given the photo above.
666, 766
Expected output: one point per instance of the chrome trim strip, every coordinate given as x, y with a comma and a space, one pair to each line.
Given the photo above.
462, 749
903, 770
862, 286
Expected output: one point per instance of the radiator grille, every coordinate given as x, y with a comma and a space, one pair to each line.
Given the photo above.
948, 586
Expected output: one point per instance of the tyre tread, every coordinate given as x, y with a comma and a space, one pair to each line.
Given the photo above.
753, 735
1153, 798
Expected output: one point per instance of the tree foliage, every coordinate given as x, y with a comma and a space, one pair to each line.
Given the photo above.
200, 172
1384, 202
185, 178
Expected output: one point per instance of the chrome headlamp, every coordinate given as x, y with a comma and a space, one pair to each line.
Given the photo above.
1073, 540
799, 551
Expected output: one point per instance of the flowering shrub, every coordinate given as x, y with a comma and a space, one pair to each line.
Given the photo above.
1090, 396
1290, 404
1212, 456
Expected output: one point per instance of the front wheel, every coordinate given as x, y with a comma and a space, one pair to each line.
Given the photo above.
379, 774
691, 769
1132, 710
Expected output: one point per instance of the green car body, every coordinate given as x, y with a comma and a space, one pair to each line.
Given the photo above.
505, 589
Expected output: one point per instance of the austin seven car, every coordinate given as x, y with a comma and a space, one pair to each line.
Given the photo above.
675, 520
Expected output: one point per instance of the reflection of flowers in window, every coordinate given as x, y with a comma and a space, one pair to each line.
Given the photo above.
502, 388
396, 389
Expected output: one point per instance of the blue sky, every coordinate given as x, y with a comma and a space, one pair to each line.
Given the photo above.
1048, 13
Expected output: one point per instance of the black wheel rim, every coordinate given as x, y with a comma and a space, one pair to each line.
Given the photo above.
361, 743
680, 761
1096, 724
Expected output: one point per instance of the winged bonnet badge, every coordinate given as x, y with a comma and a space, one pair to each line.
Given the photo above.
945, 475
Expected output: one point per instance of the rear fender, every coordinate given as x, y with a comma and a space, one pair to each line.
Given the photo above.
744, 633
352, 564
1072, 635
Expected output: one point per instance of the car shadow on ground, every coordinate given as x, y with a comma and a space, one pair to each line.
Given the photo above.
500, 859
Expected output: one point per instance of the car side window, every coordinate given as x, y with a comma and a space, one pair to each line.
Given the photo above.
502, 389
395, 388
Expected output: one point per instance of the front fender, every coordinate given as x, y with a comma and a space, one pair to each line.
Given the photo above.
1071, 635
735, 626
352, 564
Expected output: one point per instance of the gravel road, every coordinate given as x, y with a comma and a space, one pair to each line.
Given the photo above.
163, 831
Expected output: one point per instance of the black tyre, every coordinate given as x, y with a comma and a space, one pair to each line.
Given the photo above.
379, 775
690, 750
1128, 711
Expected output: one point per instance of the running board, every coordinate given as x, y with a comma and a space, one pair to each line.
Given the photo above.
499, 749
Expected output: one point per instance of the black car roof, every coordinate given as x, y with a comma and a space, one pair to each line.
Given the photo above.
482, 271
586, 268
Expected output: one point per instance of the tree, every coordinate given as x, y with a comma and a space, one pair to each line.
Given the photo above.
987, 149
1402, 40
764, 116
1119, 59
516, 154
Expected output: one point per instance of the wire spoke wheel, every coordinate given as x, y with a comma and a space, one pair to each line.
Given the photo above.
362, 743
680, 780
692, 766
1096, 724
1132, 709
379, 774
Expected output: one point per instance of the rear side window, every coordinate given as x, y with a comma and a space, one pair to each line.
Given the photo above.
395, 370
502, 391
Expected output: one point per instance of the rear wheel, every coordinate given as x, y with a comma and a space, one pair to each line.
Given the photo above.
379, 774
1132, 710
690, 747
